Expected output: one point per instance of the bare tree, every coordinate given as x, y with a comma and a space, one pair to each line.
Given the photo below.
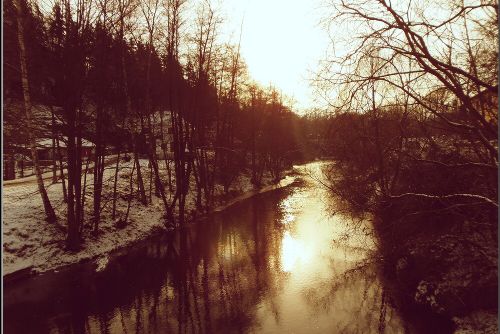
417, 57
71, 84
125, 9
204, 39
49, 211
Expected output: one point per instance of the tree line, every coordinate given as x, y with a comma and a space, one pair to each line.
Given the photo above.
115, 72
414, 120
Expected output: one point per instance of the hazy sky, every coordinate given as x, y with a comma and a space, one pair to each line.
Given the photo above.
281, 41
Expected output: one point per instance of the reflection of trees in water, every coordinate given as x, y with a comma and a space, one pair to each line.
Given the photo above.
210, 287
355, 287
354, 292
324, 182
217, 286
209, 278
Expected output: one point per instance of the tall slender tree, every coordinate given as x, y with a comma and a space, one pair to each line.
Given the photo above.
49, 210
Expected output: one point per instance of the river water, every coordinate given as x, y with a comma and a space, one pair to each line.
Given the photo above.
270, 264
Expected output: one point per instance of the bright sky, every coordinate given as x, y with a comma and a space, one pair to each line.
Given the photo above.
281, 42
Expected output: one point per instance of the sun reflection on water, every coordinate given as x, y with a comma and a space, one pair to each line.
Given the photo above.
293, 252
296, 248
306, 243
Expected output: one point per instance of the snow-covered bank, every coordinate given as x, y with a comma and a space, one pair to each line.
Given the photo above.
30, 243
47, 175
482, 321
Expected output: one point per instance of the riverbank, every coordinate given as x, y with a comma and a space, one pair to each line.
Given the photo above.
440, 264
231, 272
439, 257
31, 245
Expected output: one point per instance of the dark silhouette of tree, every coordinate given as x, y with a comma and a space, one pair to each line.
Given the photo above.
49, 211
111, 73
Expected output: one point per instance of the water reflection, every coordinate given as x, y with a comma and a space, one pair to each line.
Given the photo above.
268, 265
294, 253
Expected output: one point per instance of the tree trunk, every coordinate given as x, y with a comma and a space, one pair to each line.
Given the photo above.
150, 197
78, 174
128, 105
84, 191
98, 171
49, 210
61, 171
140, 181
113, 214
164, 150
169, 172
21, 162
154, 168
131, 193
54, 161
73, 237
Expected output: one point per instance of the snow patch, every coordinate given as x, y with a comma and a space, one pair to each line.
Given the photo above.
29, 241
101, 263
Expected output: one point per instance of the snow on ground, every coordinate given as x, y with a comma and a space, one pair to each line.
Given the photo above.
31, 242
481, 321
47, 175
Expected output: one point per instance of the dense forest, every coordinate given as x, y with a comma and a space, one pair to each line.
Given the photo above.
139, 80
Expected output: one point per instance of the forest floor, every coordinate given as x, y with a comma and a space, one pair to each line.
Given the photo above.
33, 245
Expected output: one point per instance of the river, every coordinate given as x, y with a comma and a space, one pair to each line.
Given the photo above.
269, 264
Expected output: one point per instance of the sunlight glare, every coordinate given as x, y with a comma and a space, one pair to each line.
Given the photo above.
293, 253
